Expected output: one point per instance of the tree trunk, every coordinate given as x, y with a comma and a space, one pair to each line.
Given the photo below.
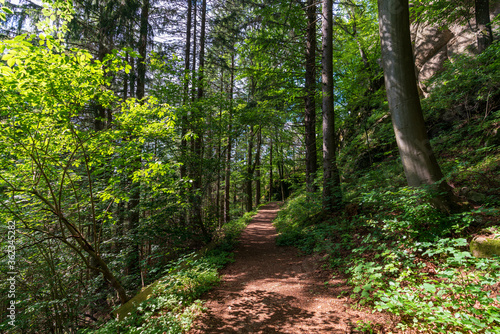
419, 163
198, 149
484, 33
281, 174
135, 191
202, 49
219, 156
249, 177
85, 245
310, 104
143, 43
257, 171
184, 121
132, 77
332, 196
271, 171
193, 71
125, 80
227, 217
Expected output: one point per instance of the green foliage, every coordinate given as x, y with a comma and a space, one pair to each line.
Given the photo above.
443, 12
294, 218
174, 304
59, 179
456, 297
401, 258
469, 85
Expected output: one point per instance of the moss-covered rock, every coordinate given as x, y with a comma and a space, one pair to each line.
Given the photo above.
483, 246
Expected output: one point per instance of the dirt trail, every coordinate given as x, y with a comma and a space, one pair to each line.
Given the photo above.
270, 289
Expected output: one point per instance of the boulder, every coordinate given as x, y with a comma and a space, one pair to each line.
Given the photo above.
485, 246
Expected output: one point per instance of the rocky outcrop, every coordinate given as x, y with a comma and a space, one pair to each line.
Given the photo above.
434, 45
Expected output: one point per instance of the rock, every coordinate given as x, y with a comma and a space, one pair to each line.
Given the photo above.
429, 41
483, 246
432, 67
433, 46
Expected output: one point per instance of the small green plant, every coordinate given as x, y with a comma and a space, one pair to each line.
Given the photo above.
364, 326
455, 298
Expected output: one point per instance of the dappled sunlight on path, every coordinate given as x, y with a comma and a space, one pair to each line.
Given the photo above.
270, 289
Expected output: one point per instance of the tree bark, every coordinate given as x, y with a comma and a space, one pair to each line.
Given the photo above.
198, 149
143, 43
271, 171
184, 120
257, 171
419, 163
227, 216
193, 70
135, 191
484, 33
310, 104
249, 177
332, 195
220, 212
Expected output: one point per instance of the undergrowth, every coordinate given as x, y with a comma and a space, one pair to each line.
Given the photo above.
404, 257
174, 303
399, 253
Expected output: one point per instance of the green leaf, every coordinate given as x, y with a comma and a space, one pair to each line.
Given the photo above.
11, 62
429, 287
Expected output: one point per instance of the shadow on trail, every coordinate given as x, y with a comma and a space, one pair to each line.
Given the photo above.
263, 312
270, 289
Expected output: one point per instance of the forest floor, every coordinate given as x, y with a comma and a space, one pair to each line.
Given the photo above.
272, 289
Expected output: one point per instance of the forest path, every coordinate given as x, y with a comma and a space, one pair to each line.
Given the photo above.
271, 289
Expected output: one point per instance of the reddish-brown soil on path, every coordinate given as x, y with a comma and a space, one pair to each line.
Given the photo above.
270, 289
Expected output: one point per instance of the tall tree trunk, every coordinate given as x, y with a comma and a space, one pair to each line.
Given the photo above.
132, 77
202, 49
135, 191
100, 116
332, 195
257, 171
195, 32
484, 34
227, 217
419, 163
198, 144
125, 80
248, 183
184, 120
271, 171
310, 104
143, 43
220, 213
281, 175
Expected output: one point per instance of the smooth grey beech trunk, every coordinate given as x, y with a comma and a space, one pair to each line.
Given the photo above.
419, 163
